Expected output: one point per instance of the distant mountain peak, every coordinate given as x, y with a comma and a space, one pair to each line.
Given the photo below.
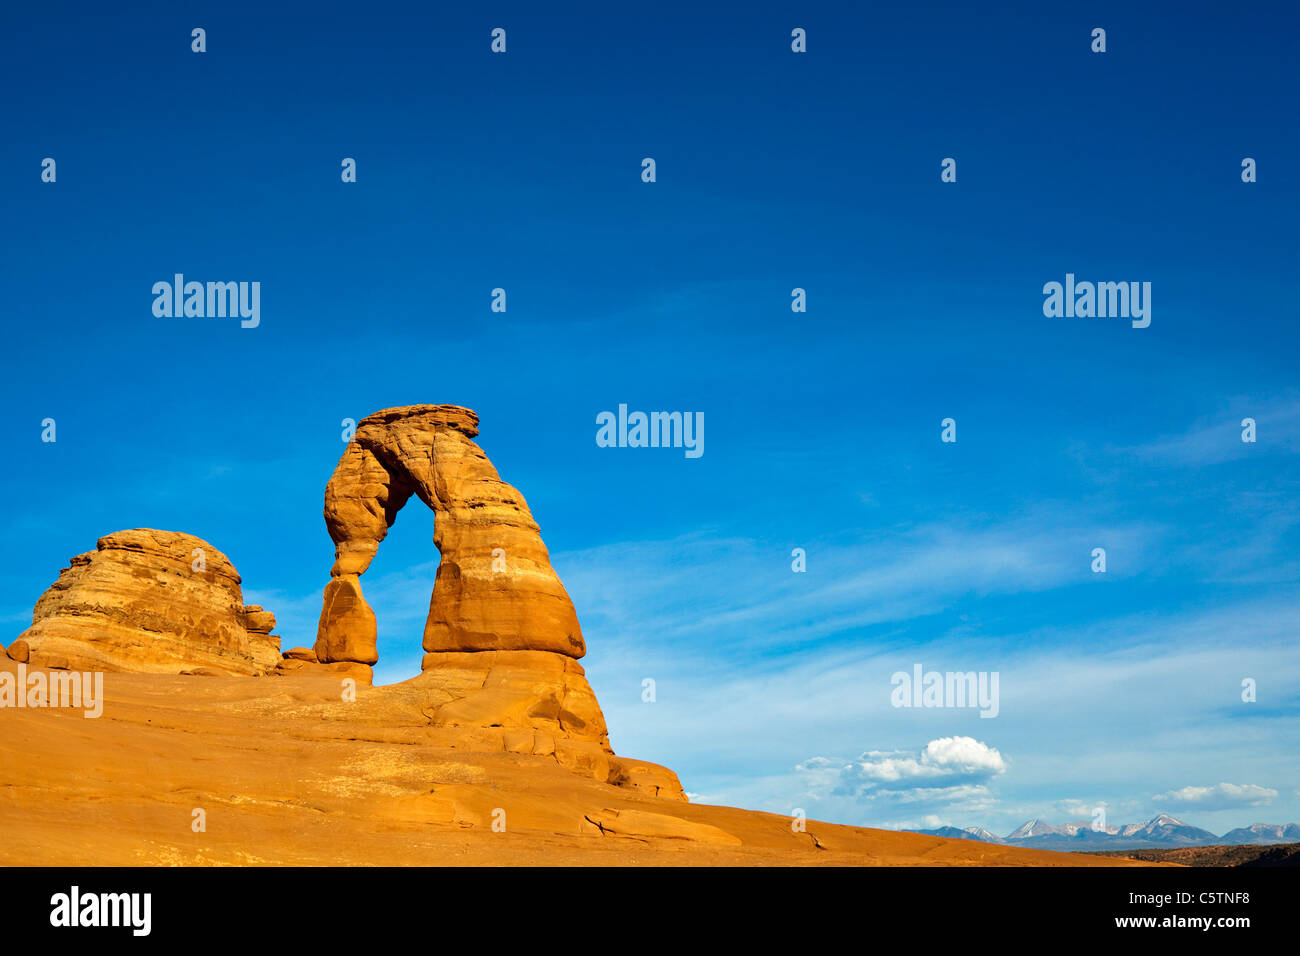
1258, 834
1165, 820
1031, 828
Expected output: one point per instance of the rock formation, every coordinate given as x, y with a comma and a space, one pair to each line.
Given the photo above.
263, 645
502, 636
149, 601
495, 589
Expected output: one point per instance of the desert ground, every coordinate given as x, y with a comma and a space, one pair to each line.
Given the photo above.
287, 773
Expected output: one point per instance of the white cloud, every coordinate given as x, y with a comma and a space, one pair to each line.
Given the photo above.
946, 770
1223, 796
1075, 809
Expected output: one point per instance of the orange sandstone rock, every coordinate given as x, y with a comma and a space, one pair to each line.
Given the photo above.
534, 691
347, 624
495, 588
147, 601
296, 667
642, 823
257, 620
264, 645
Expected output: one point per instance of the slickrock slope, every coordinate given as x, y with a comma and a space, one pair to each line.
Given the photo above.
149, 601
288, 772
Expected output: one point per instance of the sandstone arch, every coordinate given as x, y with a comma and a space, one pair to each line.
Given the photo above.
495, 589
502, 637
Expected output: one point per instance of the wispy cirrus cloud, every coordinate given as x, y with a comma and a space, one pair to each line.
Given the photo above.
1216, 438
743, 589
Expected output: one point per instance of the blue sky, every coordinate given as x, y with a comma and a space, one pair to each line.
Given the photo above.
775, 170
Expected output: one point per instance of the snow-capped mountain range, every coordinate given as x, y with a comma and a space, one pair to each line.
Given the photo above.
1162, 830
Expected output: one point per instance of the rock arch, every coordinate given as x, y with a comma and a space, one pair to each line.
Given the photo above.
495, 589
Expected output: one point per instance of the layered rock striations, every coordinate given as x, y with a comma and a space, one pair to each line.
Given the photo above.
149, 601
